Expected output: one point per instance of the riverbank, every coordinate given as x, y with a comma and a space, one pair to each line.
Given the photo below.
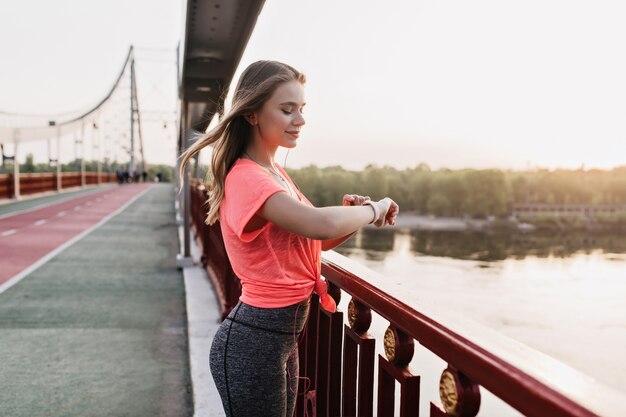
416, 221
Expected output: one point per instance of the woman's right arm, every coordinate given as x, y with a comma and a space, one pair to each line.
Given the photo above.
320, 223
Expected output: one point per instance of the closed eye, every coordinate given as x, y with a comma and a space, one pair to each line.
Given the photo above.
288, 112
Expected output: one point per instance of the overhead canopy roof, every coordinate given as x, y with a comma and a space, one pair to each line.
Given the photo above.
215, 35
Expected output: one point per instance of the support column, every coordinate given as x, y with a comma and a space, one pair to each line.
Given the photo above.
184, 259
131, 166
186, 207
48, 140
16, 168
83, 182
95, 139
59, 171
196, 173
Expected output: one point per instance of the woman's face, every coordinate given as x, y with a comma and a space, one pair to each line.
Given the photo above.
281, 117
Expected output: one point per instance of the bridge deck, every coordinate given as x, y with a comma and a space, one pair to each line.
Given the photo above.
100, 329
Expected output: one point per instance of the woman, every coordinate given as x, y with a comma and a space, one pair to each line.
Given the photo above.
273, 236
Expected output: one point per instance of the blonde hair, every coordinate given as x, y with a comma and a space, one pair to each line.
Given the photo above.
232, 134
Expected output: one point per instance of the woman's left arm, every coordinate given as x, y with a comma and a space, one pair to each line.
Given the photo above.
333, 243
348, 200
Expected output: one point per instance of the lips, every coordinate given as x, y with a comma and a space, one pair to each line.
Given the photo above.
294, 133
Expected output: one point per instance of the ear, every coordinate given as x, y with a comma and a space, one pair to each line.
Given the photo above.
251, 118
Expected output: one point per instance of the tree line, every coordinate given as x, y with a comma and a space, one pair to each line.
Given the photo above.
29, 166
467, 192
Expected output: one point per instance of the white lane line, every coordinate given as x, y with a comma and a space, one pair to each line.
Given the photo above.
61, 214
40, 222
77, 208
14, 213
18, 277
8, 232
88, 203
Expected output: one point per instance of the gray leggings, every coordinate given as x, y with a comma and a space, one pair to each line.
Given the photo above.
254, 359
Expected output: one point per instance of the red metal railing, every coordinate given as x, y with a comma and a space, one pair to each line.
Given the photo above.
214, 257
71, 180
6, 186
37, 183
339, 359
33, 183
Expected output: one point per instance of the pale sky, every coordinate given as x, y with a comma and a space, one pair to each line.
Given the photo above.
450, 83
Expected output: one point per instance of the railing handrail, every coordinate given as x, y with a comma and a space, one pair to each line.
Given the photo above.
528, 380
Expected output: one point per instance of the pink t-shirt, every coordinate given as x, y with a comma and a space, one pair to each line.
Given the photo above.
277, 268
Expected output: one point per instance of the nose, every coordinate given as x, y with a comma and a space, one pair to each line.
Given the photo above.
299, 121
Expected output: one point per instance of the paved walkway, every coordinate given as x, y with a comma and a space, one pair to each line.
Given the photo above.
30, 235
101, 329
26, 202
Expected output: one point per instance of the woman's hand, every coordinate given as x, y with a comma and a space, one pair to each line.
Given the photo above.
354, 200
392, 214
387, 207
388, 212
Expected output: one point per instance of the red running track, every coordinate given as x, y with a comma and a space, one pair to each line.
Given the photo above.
27, 237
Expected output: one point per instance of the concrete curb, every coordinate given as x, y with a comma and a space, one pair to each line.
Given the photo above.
203, 320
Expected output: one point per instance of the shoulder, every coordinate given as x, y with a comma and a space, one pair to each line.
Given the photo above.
283, 171
244, 169
249, 178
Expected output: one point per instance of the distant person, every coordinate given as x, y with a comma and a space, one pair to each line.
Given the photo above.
158, 177
273, 236
125, 176
144, 176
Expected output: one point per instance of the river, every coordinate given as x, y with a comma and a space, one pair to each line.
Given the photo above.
564, 295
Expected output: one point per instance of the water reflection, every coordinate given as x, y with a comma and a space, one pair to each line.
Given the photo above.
376, 244
562, 294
